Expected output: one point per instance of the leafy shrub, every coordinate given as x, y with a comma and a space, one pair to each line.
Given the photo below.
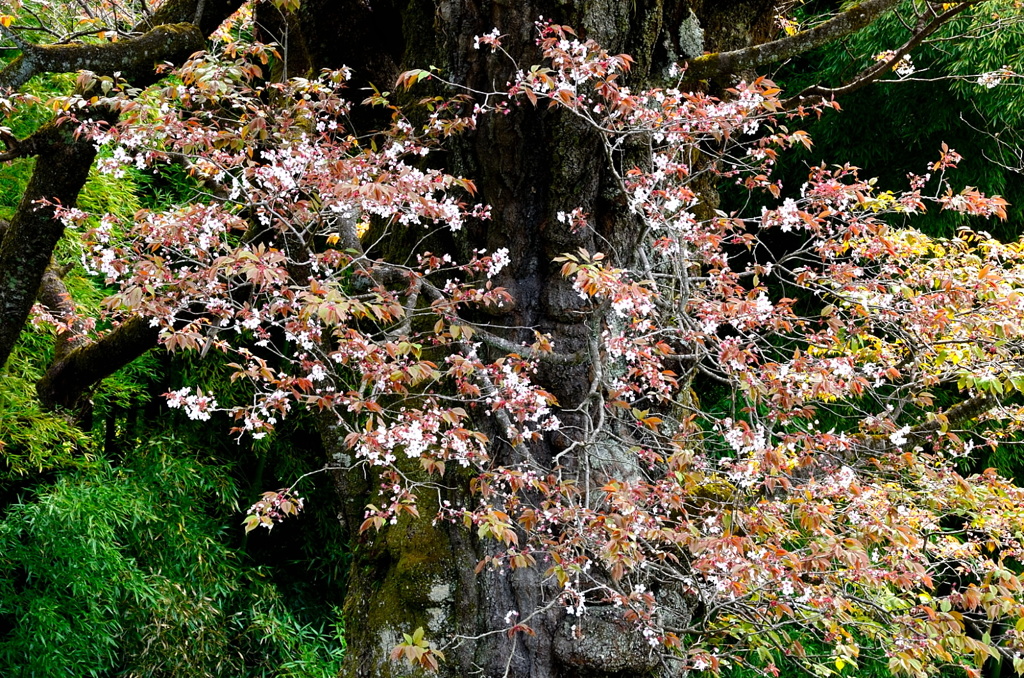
127, 571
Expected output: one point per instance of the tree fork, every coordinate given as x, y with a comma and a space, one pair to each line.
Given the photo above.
62, 160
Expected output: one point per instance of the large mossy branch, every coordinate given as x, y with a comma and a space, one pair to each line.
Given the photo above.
206, 15
817, 93
171, 42
924, 433
958, 415
851, 20
72, 374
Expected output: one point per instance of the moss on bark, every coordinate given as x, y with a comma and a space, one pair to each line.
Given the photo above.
404, 579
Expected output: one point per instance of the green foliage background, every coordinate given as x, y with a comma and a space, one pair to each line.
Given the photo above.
121, 548
121, 551
896, 126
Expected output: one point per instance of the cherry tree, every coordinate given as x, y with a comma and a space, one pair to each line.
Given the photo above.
823, 503
709, 437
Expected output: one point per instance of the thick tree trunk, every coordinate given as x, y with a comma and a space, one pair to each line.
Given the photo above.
529, 166
62, 166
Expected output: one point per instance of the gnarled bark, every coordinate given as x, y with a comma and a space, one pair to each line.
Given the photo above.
528, 166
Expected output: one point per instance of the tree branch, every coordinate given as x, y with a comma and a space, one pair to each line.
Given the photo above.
381, 274
924, 433
817, 93
502, 344
54, 295
850, 21
69, 378
130, 57
207, 15
15, 148
968, 410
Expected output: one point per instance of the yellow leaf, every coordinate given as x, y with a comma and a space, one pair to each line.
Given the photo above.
6, 20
